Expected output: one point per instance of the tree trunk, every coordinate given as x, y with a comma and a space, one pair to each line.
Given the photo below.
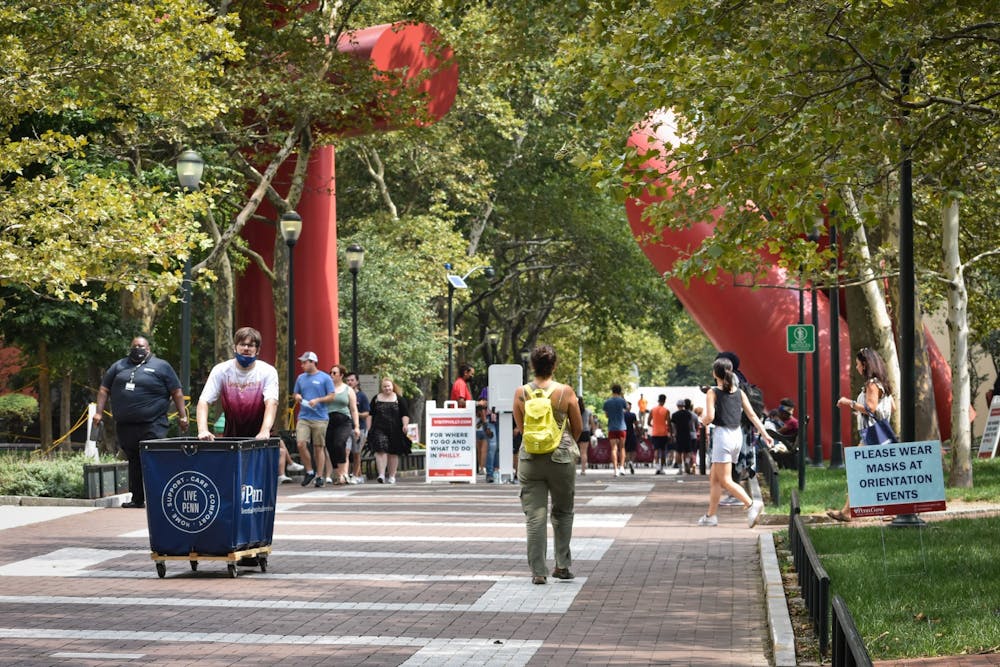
65, 408
44, 397
279, 288
138, 305
958, 332
878, 314
223, 307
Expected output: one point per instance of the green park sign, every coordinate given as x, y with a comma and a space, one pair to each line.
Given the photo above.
801, 338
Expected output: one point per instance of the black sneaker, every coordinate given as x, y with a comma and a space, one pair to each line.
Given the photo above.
308, 477
133, 505
320, 482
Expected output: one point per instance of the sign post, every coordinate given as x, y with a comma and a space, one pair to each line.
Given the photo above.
451, 442
504, 381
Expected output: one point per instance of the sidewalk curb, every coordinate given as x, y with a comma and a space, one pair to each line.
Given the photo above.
778, 619
42, 501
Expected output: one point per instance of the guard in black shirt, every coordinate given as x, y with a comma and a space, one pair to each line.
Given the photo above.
140, 386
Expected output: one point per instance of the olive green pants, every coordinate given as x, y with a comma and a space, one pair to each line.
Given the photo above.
541, 477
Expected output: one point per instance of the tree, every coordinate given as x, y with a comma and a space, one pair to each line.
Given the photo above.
788, 107
97, 97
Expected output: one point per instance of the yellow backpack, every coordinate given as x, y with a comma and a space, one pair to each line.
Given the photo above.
542, 432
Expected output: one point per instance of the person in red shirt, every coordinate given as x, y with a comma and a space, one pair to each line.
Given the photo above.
460, 391
659, 432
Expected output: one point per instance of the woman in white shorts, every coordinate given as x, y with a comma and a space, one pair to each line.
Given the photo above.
723, 405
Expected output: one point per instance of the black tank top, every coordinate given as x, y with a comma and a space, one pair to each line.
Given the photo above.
728, 408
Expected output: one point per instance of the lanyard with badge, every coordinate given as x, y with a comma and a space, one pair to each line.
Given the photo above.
130, 385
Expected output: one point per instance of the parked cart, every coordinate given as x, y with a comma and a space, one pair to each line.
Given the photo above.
210, 500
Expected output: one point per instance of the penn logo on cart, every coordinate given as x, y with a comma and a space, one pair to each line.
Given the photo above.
191, 501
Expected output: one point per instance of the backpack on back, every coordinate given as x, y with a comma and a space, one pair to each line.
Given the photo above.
542, 432
756, 398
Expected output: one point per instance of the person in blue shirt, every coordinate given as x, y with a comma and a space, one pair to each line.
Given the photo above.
313, 389
614, 410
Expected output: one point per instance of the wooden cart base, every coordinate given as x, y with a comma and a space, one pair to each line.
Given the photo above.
232, 559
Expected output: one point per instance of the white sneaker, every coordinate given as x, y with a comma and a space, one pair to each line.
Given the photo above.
706, 520
730, 501
294, 467
284, 479
753, 514
390, 480
381, 479
329, 480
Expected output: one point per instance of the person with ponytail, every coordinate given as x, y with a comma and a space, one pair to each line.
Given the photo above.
723, 405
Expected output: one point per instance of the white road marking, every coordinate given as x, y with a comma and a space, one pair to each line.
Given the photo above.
62, 562
81, 562
12, 516
579, 521
431, 651
615, 501
100, 656
506, 595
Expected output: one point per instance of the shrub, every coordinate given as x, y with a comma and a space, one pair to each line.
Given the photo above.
58, 477
18, 411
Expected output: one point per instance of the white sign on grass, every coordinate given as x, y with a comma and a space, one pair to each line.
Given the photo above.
897, 478
991, 434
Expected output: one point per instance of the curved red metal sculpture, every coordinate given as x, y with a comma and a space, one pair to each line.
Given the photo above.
417, 52
752, 322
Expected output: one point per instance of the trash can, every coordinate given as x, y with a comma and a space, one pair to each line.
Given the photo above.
210, 500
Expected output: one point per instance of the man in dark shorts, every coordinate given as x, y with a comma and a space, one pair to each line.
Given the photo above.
682, 427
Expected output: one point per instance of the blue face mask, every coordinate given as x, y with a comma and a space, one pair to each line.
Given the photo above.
245, 361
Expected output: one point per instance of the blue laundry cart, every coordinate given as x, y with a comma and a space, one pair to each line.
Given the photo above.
210, 500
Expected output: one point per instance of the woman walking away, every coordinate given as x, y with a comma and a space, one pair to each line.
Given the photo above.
875, 395
723, 404
547, 415
387, 422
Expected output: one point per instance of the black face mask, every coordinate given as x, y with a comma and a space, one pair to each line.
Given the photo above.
137, 355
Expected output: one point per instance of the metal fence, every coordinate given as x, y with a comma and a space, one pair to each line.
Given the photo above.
768, 471
848, 646
814, 582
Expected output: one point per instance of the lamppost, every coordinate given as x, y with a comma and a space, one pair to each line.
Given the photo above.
837, 448
190, 167
355, 259
458, 282
494, 339
817, 411
291, 227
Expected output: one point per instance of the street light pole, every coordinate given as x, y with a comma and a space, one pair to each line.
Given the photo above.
837, 448
355, 259
190, 167
291, 227
457, 282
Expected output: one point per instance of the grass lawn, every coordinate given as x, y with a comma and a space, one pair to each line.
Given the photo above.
913, 592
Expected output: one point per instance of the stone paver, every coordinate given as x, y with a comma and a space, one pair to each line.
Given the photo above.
411, 574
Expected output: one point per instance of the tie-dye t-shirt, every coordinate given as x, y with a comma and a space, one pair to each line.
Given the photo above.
242, 393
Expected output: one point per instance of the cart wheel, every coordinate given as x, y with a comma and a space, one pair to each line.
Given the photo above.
194, 566
262, 561
232, 570
161, 569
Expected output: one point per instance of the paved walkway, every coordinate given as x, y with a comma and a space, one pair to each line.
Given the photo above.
410, 574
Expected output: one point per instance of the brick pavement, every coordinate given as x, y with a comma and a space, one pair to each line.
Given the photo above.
410, 574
